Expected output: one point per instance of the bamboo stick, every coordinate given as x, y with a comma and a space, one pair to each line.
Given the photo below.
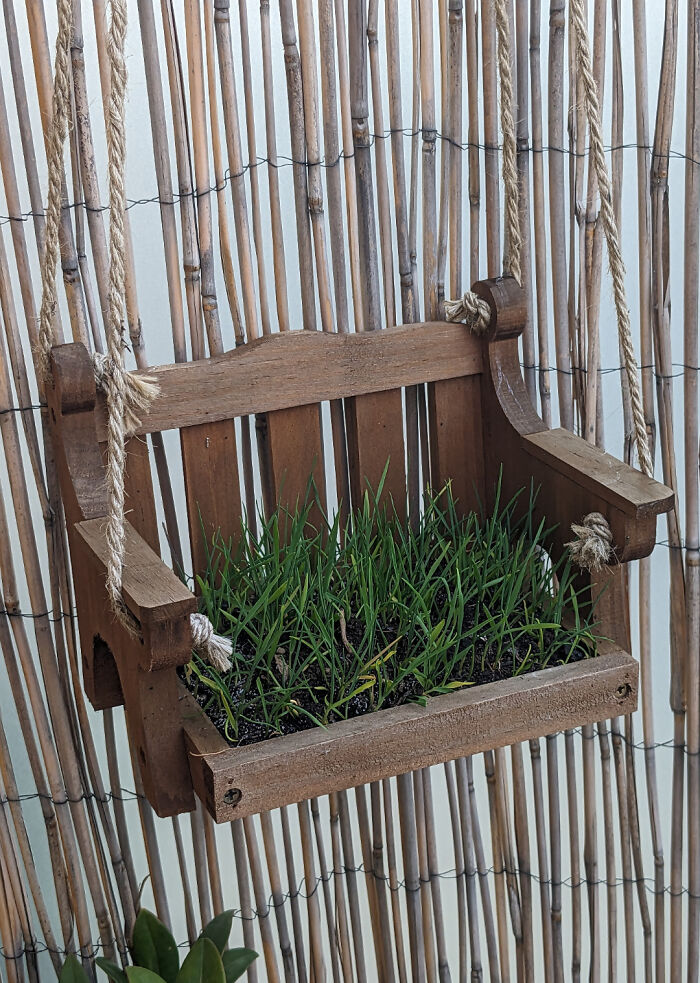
359, 109
396, 913
409, 844
200, 154
538, 211
295, 99
225, 250
343, 938
664, 385
625, 848
492, 944
229, 103
555, 138
278, 257
443, 966
188, 901
429, 939
542, 861
325, 877
312, 902
351, 880
293, 892
253, 169
383, 209
247, 915
498, 867
262, 907
574, 852
273, 871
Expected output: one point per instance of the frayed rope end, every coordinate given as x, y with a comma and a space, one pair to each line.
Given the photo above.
213, 648
592, 548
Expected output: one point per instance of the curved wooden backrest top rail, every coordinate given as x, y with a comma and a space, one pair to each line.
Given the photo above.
295, 368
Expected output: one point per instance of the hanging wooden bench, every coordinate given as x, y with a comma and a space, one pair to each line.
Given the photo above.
479, 418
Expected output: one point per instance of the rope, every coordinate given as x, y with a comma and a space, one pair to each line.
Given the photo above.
592, 547
128, 395
612, 235
469, 308
513, 238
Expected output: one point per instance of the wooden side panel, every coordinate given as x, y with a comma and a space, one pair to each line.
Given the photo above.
212, 488
140, 503
291, 456
374, 425
238, 782
456, 439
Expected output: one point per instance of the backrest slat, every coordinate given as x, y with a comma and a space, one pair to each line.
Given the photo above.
374, 426
139, 504
291, 454
456, 439
212, 488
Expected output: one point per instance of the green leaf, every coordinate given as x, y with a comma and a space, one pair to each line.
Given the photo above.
219, 929
154, 947
236, 962
72, 971
137, 974
203, 964
115, 973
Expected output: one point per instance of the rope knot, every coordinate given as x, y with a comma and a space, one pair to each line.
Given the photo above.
592, 548
471, 309
213, 648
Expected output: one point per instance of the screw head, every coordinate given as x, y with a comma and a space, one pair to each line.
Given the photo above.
233, 796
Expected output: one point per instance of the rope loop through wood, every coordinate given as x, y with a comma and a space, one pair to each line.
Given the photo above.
128, 395
592, 548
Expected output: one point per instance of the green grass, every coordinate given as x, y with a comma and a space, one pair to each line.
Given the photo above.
327, 626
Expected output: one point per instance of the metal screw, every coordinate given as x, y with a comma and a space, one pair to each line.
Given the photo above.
233, 796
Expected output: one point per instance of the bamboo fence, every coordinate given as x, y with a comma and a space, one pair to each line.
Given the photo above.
336, 166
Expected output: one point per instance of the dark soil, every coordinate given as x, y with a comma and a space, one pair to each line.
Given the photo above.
408, 691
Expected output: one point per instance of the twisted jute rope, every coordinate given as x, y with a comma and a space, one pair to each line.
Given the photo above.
128, 396
470, 308
592, 547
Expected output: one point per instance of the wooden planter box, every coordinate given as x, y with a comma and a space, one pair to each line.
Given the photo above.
235, 782
480, 420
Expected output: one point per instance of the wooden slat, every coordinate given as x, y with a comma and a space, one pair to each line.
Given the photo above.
212, 488
140, 505
236, 782
291, 455
456, 439
307, 367
374, 426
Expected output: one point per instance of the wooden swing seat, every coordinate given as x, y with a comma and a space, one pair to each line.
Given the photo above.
479, 418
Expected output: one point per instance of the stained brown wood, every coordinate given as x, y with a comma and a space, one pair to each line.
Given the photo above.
291, 451
155, 596
623, 486
456, 439
140, 503
307, 367
482, 428
374, 427
235, 782
212, 487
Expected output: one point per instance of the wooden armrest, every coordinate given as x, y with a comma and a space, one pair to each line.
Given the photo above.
600, 473
159, 601
576, 478
573, 477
